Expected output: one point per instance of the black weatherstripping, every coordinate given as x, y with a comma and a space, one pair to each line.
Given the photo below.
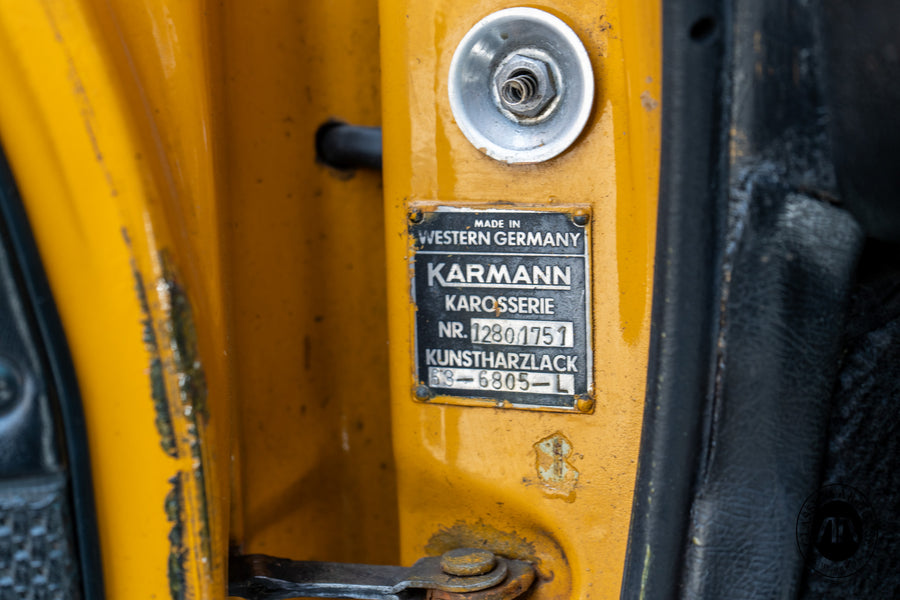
692, 209
55, 499
756, 260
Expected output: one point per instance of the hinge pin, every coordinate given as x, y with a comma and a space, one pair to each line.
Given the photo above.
466, 562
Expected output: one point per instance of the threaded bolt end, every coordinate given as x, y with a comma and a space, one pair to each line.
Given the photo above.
520, 88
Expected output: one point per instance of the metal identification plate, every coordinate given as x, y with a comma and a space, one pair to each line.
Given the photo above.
502, 301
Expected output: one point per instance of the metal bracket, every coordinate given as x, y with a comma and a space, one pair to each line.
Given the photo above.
261, 577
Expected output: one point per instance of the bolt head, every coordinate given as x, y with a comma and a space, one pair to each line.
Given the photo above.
584, 404
415, 216
423, 392
468, 562
544, 92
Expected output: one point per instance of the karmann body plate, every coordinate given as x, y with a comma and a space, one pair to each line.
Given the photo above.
502, 300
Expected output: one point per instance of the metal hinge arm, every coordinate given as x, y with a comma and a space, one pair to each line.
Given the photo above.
261, 577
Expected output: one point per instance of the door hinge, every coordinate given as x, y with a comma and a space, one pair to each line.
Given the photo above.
463, 574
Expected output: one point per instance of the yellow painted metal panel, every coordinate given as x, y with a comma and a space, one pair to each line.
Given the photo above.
103, 208
171, 144
307, 247
470, 475
130, 104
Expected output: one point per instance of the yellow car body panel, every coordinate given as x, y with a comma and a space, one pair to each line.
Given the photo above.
470, 476
239, 315
111, 223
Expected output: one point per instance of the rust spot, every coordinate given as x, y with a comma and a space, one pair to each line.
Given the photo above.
516, 584
555, 473
648, 102
546, 556
468, 562
483, 536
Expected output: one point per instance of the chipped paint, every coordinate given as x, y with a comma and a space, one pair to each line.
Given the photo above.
144, 397
182, 338
163, 418
176, 359
556, 474
174, 507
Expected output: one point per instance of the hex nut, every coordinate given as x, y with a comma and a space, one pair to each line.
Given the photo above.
475, 97
524, 86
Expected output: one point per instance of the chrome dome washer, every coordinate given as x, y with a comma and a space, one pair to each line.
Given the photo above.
475, 102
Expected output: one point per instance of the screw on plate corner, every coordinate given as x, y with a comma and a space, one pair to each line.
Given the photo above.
581, 218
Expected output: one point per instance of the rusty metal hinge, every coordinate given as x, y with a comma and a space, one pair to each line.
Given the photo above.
463, 574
